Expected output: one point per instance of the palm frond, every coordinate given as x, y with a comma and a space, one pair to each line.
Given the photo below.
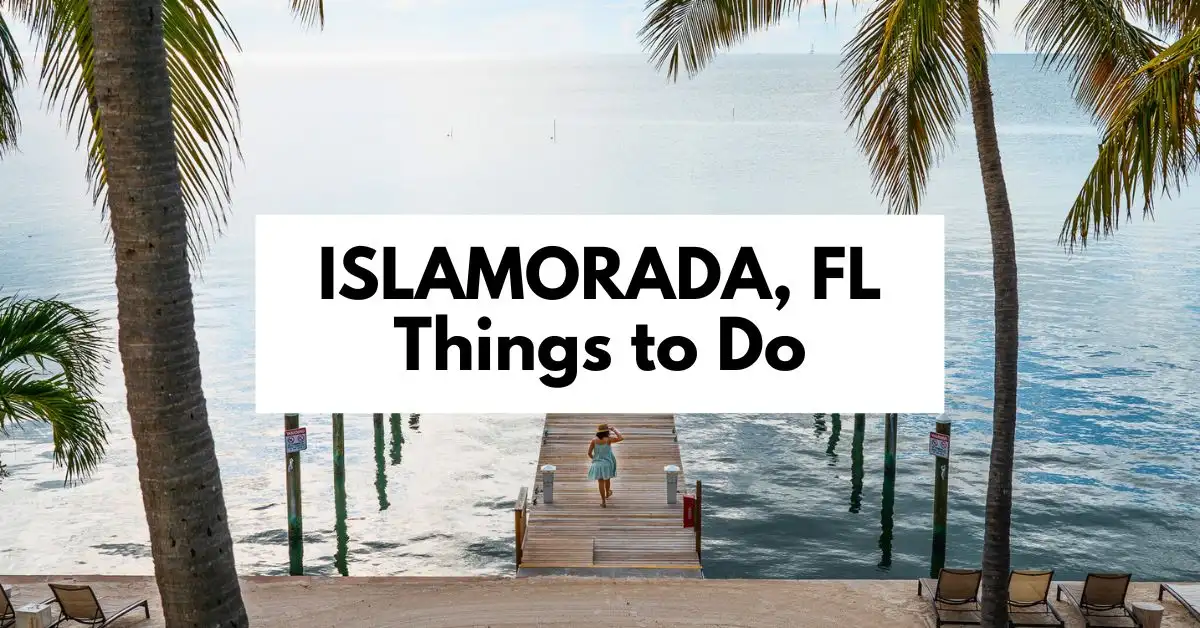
309, 12
47, 331
1095, 40
76, 420
1149, 147
1172, 17
12, 73
51, 360
204, 105
904, 82
688, 33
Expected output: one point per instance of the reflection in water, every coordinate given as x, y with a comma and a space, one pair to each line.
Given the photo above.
339, 495
380, 467
397, 437
856, 463
889, 491
818, 425
831, 451
414, 422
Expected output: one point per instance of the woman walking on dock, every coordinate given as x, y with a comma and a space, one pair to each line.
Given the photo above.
604, 463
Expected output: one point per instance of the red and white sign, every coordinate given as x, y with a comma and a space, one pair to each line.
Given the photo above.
295, 441
939, 445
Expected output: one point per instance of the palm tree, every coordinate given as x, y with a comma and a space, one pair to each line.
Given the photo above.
908, 72
51, 358
146, 82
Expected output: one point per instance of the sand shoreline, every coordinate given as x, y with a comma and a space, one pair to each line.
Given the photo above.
562, 601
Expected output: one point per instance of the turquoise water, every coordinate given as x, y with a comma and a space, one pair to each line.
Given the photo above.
1108, 437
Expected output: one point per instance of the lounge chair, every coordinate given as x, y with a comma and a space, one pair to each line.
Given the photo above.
78, 603
8, 616
1028, 600
1187, 594
954, 596
8, 610
1101, 600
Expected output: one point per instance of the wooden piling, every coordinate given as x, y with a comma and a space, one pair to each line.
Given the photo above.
294, 510
889, 444
339, 495
697, 519
941, 498
521, 520
887, 510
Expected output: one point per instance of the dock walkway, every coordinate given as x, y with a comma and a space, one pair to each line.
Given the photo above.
638, 534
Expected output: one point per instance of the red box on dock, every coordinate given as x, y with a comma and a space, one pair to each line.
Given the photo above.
689, 511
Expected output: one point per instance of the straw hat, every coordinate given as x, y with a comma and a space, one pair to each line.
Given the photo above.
603, 427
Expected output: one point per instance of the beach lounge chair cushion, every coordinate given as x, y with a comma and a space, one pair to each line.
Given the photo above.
954, 596
1101, 599
79, 603
1027, 603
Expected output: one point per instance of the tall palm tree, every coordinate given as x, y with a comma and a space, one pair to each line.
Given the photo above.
51, 358
147, 84
908, 72
177, 464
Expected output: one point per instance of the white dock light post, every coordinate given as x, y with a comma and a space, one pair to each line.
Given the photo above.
548, 483
672, 483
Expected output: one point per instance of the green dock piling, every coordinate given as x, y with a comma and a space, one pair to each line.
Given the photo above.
339, 494
887, 511
294, 511
941, 498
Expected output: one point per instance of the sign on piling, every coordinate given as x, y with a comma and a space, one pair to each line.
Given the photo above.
296, 440
291, 425
939, 445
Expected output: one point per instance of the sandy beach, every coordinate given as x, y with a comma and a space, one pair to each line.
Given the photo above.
559, 601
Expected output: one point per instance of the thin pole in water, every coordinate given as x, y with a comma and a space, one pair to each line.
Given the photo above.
339, 493
294, 510
941, 504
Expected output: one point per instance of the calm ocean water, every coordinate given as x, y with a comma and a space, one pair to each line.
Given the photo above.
1109, 433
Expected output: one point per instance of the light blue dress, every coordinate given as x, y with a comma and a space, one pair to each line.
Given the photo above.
604, 463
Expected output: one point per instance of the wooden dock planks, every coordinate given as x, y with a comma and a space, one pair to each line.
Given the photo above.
638, 533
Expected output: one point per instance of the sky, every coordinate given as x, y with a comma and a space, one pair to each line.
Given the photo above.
439, 28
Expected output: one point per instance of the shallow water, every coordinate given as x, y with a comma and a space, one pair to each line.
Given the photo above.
1108, 436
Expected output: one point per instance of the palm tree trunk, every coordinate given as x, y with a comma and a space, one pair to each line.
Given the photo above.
177, 463
997, 518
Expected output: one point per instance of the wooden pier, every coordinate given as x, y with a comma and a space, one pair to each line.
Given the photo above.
639, 534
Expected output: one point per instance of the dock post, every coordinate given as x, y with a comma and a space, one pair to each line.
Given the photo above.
941, 491
672, 472
889, 445
294, 510
548, 483
339, 494
856, 462
696, 518
521, 517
